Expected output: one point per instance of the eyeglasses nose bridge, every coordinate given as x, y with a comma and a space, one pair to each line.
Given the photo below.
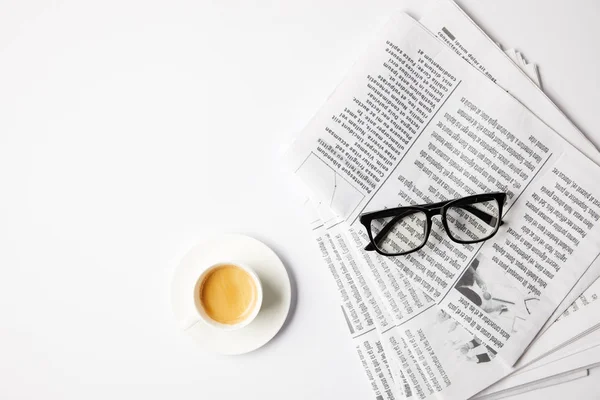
435, 212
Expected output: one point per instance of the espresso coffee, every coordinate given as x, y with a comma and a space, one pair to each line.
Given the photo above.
228, 294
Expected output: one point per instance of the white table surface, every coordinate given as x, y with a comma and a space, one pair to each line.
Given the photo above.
129, 128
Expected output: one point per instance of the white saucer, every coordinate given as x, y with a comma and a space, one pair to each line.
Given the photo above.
277, 293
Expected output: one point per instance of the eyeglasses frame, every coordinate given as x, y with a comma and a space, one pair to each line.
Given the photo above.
431, 210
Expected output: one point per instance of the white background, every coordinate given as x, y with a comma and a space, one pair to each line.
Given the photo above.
130, 128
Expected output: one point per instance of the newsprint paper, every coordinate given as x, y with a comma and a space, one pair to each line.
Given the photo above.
415, 123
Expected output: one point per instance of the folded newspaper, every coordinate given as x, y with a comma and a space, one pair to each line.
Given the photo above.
423, 117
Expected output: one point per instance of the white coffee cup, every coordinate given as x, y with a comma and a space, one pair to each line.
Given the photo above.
201, 314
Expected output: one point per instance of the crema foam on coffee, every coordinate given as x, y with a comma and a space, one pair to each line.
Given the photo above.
228, 294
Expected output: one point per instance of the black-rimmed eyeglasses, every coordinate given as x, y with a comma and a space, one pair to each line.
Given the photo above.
402, 230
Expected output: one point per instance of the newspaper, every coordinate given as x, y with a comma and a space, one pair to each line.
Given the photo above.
359, 299
462, 123
548, 380
578, 320
414, 363
574, 332
454, 28
563, 334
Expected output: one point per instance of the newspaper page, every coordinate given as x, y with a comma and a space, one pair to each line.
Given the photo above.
563, 339
451, 25
361, 312
549, 109
578, 320
541, 168
423, 363
585, 299
454, 28
360, 299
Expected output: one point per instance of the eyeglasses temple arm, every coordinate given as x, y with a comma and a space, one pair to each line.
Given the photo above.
482, 215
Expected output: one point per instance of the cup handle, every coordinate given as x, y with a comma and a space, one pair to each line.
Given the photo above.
189, 322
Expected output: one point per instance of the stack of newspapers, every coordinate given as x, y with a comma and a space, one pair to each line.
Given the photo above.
434, 110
